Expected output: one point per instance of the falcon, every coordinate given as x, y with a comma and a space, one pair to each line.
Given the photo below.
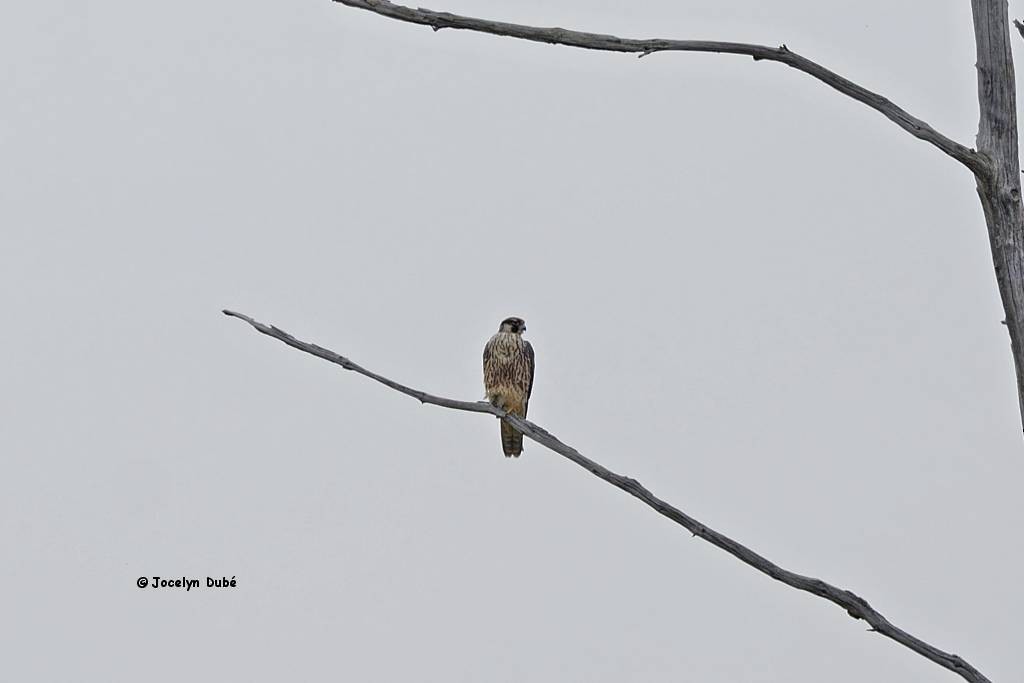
508, 378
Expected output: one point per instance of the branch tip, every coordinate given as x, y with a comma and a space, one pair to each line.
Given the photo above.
241, 316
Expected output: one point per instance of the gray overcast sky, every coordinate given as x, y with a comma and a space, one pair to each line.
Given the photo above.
763, 300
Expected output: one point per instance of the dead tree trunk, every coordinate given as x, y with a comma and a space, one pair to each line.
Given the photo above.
999, 179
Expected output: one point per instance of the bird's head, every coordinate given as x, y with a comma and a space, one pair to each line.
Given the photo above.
514, 325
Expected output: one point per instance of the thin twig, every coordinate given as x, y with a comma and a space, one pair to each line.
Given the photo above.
597, 41
855, 606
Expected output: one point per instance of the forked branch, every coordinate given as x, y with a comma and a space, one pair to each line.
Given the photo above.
643, 47
855, 606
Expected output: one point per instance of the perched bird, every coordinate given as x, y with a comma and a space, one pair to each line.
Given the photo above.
508, 378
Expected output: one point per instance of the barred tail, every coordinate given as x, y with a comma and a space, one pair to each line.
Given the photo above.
511, 440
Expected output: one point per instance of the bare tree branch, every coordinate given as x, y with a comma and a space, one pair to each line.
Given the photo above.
855, 606
596, 41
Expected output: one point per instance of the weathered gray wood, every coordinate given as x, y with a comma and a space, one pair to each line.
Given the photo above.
855, 606
644, 47
999, 180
